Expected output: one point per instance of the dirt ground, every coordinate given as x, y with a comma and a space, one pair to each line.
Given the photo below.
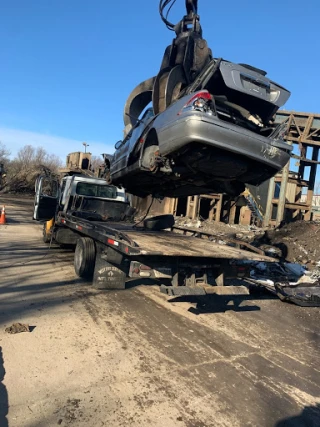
138, 358
301, 241
298, 241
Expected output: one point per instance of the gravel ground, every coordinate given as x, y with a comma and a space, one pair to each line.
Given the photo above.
138, 358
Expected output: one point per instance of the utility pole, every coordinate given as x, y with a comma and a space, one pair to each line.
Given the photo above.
85, 146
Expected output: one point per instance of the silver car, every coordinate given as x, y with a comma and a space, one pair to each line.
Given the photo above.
217, 137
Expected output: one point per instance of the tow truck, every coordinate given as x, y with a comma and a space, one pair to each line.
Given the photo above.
111, 247
96, 218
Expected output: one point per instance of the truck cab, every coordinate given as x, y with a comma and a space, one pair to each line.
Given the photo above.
75, 188
54, 196
78, 195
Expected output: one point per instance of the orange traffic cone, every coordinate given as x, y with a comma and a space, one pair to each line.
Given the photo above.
3, 216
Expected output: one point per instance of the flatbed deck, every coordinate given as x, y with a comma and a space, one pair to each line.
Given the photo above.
172, 244
140, 241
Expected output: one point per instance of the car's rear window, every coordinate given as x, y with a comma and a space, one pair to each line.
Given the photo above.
96, 190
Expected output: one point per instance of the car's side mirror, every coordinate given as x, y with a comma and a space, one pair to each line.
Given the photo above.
118, 144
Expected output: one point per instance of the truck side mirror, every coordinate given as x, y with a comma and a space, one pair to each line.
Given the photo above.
118, 145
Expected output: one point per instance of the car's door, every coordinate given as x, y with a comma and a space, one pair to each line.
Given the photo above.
141, 127
119, 154
46, 198
124, 148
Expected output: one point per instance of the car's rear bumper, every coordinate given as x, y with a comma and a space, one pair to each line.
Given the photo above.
211, 131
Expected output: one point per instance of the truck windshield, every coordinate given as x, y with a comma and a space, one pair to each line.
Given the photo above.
96, 190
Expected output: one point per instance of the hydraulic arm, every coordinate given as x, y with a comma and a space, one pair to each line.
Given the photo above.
182, 62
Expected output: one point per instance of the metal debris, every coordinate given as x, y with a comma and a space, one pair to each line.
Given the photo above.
303, 294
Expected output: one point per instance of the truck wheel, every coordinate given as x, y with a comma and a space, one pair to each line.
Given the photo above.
84, 257
159, 222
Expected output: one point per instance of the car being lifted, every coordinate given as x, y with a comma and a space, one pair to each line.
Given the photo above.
218, 135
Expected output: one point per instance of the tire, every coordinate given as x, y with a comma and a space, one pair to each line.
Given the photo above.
160, 222
148, 157
84, 257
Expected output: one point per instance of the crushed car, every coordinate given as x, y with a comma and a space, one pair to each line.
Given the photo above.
211, 126
216, 137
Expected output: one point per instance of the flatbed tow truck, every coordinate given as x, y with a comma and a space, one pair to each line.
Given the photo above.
96, 218
111, 247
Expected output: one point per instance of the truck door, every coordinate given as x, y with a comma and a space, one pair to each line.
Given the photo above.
46, 198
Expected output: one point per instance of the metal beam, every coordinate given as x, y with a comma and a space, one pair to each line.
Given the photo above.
283, 194
312, 180
268, 214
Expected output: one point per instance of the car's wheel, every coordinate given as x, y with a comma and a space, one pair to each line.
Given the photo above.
149, 158
160, 222
84, 257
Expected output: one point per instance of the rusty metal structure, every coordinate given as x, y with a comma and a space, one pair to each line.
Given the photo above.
304, 134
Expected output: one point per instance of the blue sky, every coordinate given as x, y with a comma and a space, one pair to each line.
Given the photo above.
67, 66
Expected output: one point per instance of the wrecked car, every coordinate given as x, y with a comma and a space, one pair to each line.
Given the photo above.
216, 137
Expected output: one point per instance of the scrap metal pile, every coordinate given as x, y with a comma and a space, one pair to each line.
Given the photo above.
294, 277
290, 282
210, 127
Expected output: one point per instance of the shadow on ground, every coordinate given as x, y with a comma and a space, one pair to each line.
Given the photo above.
213, 303
309, 417
217, 303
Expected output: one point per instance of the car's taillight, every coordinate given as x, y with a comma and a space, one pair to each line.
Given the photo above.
201, 101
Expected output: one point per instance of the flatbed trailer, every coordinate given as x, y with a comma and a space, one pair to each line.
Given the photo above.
111, 253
